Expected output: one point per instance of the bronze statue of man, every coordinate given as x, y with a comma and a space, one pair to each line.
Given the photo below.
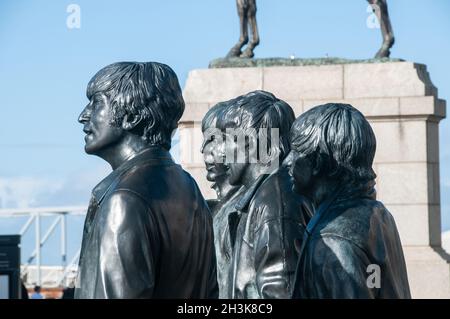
214, 156
228, 195
266, 220
380, 8
351, 248
247, 22
148, 231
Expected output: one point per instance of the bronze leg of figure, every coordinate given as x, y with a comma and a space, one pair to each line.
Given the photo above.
381, 10
251, 16
243, 23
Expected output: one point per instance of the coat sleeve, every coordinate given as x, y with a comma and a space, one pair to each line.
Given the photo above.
129, 244
342, 269
276, 257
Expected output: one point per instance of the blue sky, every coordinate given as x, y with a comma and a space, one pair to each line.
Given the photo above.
45, 66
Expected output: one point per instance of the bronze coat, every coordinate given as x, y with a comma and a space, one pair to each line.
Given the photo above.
265, 228
148, 234
347, 234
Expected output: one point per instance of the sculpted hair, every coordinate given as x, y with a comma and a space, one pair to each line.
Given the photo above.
149, 90
211, 117
256, 110
341, 139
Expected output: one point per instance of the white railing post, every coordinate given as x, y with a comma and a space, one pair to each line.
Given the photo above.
38, 247
70, 266
27, 225
34, 216
63, 241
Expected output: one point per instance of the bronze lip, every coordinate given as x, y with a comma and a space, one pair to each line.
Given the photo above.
87, 131
211, 168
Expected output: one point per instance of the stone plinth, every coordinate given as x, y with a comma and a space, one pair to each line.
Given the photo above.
404, 110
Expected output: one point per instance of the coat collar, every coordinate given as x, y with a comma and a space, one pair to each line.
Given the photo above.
153, 155
243, 203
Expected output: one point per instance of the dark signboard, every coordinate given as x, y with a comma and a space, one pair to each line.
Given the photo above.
10, 266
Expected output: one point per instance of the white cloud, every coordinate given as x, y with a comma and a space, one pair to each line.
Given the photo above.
73, 189
34, 191
24, 191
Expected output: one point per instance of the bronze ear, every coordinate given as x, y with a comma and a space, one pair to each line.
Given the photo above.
129, 122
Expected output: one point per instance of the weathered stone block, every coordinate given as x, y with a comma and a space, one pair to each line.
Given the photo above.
428, 272
305, 82
214, 85
396, 79
400, 141
404, 183
417, 224
194, 112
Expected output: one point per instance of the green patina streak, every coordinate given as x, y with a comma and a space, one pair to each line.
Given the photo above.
269, 62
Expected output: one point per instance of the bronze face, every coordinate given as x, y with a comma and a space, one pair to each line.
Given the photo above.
97, 119
301, 172
214, 157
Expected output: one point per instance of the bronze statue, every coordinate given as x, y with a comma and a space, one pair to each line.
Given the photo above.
351, 247
227, 195
266, 220
247, 21
380, 8
148, 231
214, 156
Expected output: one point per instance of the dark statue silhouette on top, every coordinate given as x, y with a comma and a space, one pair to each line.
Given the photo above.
247, 22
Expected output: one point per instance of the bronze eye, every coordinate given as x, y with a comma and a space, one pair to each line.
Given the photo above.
97, 100
92, 104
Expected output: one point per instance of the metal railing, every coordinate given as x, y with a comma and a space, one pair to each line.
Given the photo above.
34, 219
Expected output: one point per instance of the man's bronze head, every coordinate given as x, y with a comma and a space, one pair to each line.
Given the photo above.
256, 126
143, 99
331, 142
212, 147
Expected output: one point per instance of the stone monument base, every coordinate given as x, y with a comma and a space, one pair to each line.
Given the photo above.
404, 110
